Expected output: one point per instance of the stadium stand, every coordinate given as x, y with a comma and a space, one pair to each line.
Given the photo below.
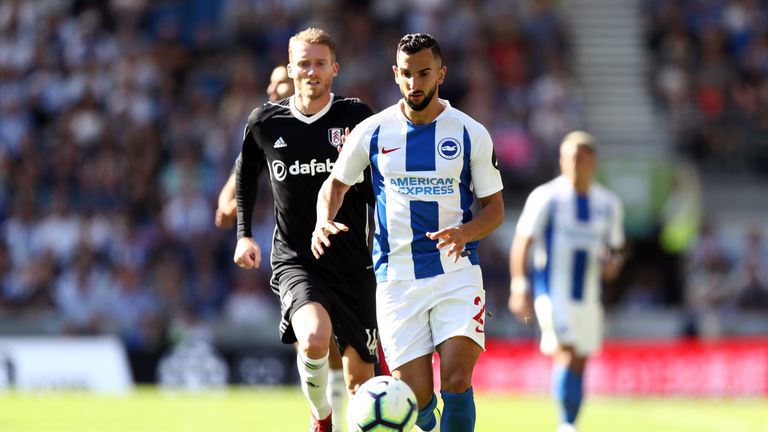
119, 122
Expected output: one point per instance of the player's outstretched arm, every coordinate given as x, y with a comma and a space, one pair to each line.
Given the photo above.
329, 201
247, 253
489, 217
520, 300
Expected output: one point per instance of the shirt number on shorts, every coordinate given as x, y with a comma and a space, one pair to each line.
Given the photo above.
479, 316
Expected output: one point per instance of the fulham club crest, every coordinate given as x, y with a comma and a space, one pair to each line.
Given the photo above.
334, 136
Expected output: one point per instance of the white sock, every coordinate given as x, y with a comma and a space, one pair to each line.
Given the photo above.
337, 390
313, 374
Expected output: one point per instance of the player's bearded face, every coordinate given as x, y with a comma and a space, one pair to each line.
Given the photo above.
418, 75
418, 100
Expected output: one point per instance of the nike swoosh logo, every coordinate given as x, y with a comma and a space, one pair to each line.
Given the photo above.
385, 151
479, 330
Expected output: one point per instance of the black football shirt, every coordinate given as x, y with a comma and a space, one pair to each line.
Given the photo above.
299, 151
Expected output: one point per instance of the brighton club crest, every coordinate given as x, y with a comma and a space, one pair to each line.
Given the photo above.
449, 148
334, 136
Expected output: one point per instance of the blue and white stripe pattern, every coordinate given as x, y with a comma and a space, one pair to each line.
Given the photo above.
570, 233
425, 178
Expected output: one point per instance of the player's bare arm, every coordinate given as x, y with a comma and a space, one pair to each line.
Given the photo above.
226, 212
520, 300
613, 261
329, 200
489, 217
247, 253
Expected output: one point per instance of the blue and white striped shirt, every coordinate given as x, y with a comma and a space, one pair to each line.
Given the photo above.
571, 232
425, 178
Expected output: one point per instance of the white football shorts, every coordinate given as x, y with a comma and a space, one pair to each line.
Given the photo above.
415, 316
568, 323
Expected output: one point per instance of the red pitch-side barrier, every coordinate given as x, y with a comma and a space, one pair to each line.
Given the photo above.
733, 367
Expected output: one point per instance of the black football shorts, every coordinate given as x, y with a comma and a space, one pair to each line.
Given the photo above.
351, 304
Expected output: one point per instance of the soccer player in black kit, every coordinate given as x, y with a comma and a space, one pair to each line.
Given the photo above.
296, 139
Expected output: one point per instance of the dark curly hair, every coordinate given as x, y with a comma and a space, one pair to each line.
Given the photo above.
413, 43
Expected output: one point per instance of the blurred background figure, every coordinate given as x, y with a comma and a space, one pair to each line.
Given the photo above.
280, 87
571, 231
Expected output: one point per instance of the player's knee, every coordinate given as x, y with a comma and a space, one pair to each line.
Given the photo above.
315, 346
456, 381
568, 358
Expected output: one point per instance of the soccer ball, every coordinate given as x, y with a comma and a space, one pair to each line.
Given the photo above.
383, 404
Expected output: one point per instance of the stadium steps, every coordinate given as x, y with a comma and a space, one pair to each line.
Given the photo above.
736, 202
611, 68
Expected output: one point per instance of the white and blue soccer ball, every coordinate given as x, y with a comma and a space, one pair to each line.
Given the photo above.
383, 404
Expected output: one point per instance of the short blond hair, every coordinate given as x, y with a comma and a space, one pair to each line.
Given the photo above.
313, 35
579, 138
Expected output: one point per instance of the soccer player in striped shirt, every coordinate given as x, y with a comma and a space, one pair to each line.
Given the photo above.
429, 162
574, 226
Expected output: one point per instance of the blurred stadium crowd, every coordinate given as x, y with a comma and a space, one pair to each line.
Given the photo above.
120, 120
709, 75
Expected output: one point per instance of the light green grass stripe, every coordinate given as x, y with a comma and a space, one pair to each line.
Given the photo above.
284, 410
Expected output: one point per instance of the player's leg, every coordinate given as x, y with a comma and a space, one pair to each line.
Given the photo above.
588, 337
402, 309
354, 321
337, 387
356, 369
417, 373
458, 356
568, 384
312, 327
458, 327
305, 321
570, 332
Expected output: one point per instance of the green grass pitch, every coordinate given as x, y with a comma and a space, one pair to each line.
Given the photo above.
284, 410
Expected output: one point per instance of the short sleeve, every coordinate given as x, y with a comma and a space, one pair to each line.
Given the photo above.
486, 178
354, 157
534, 215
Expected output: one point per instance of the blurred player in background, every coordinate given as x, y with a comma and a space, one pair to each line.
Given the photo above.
429, 161
280, 87
575, 227
297, 139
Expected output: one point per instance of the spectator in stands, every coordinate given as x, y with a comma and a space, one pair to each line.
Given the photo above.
280, 87
750, 277
132, 312
710, 65
707, 292
81, 294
